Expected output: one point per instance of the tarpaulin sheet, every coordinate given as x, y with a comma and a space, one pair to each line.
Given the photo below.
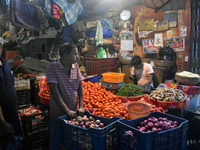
32, 65
24, 15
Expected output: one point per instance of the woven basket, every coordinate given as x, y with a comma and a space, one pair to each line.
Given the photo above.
124, 61
187, 80
161, 63
146, 60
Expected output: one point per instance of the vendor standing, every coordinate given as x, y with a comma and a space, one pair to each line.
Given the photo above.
9, 119
65, 81
141, 73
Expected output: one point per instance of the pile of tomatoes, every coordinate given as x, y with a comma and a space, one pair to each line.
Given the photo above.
101, 102
46, 93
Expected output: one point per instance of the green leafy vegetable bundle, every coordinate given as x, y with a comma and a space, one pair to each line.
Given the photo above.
129, 90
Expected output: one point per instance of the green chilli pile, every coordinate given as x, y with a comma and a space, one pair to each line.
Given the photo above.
129, 90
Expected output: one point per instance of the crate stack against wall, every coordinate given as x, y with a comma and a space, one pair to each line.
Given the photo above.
193, 116
34, 118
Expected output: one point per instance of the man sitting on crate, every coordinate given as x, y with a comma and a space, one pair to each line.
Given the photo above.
65, 80
9, 119
141, 74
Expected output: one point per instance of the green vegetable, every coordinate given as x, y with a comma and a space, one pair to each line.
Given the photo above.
129, 90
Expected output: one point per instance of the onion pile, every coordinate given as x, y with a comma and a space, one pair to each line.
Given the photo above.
86, 122
156, 124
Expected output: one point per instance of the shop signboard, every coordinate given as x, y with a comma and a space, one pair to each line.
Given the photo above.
177, 43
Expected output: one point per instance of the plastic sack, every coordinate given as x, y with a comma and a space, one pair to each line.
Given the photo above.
162, 86
106, 32
146, 88
11, 143
67, 34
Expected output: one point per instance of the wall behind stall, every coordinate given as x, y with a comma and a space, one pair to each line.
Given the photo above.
140, 12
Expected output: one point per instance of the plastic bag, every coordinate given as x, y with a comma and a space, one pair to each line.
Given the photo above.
106, 32
146, 88
11, 143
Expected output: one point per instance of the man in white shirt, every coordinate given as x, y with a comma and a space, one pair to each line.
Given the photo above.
141, 72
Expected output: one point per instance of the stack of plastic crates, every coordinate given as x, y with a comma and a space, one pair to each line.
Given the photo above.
193, 116
35, 125
172, 139
78, 138
23, 97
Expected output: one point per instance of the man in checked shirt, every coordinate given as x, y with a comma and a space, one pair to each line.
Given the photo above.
65, 81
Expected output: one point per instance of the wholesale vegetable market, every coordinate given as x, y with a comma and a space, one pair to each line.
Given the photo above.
99, 75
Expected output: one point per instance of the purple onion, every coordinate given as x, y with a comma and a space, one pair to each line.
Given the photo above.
145, 122
160, 124
81, 124
142, 124
159, 129
143, 129
165, 122
165, 119
171, 127
176, 122
171, 122
168, 124
147, 127
155, 120
154, 129
148, 130
138, 127
156, 125
175, 125
150, 120
160, 118
150, 124
165, 127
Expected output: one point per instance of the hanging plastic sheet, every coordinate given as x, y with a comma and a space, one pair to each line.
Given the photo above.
24, 15
106, 32
48, 6
71, 10
67, 34
107, 23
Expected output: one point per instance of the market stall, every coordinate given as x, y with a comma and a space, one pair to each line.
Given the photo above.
118, 114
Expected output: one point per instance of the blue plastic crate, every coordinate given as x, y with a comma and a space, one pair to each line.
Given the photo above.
94, 78
193, 141
78, 138
194, 119
172, 139
194, 130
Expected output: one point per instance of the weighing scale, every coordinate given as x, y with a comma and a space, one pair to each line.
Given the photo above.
112, 86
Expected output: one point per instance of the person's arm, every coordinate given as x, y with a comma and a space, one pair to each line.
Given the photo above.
133, 76
149, 74
80, 95
5, 128
59, 101
150, 78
